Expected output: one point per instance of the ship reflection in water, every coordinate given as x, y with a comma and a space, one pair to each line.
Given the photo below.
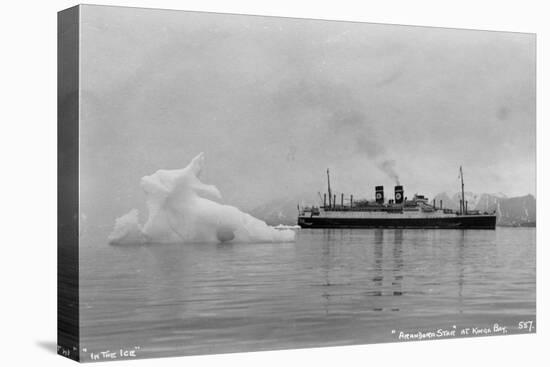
331, 287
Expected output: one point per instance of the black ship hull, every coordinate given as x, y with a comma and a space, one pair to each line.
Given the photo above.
458, 222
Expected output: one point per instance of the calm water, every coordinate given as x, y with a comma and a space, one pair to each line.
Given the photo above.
331, 287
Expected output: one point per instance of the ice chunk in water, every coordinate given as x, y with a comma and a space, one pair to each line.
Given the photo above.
181, 209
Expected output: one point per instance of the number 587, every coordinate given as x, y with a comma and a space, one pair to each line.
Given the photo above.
526, 325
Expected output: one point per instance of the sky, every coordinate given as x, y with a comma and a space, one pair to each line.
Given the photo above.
274, 102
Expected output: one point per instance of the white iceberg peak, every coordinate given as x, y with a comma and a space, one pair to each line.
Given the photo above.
181, 209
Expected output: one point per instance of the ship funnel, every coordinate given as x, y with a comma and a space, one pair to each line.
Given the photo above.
399, 194
379, 194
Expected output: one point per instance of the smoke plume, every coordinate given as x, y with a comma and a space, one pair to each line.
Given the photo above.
388, 167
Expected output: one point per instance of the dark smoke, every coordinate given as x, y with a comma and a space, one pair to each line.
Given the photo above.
368, 145
342, 113
388, 167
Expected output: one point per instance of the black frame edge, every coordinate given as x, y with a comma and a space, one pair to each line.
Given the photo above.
68, 316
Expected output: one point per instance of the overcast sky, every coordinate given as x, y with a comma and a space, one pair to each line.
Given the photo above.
273, 102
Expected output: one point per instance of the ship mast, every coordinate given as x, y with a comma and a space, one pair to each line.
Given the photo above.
462, 183
329, 190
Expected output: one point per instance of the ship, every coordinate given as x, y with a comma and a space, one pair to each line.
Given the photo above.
399, 212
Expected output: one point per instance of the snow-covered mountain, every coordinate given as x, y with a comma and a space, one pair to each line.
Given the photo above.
518, 211
515, 211
474, 200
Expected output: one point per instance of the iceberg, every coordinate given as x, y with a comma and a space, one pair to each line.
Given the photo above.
183, 209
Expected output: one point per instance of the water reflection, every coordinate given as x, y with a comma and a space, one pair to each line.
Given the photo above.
460, 266
396, 264
328, 236
397, 261
378, 278
330, 287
